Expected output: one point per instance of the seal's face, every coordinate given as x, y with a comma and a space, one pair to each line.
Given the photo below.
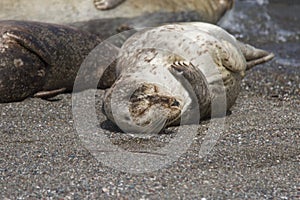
149, 101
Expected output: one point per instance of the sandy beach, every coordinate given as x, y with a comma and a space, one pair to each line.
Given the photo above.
257, 155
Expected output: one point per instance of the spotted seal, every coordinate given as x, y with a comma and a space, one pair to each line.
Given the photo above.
41, 59
170, 70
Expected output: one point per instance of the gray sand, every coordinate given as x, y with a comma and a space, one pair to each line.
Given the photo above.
257, 156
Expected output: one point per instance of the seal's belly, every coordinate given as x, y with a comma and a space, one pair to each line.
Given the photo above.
232, 85
221, 81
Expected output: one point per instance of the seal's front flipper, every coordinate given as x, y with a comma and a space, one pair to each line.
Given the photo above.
107, 4
49, 94
195, 82
254, 56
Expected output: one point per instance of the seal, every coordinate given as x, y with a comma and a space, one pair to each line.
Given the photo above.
66, 11
41, 59
168, 72
123, 15
209, 10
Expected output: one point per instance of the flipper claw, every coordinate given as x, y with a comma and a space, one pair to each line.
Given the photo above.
107, 4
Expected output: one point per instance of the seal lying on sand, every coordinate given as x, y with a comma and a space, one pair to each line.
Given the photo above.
40, 59
169, 71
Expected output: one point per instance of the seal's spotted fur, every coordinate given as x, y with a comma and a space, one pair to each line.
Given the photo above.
177, 67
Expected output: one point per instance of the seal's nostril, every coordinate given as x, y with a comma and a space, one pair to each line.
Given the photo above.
175, 103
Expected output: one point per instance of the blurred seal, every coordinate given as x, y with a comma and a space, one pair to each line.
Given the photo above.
68, 11
208, 10
122, 15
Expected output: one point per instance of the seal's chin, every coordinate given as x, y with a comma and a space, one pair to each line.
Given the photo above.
149, 104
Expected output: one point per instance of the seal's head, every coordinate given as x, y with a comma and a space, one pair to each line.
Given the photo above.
148, 108
148, 101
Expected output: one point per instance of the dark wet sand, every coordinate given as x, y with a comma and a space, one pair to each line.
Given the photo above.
256, 157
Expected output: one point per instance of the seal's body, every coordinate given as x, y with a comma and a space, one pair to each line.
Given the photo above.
120, 15
37, 57
68, 11
168, 72
208, 10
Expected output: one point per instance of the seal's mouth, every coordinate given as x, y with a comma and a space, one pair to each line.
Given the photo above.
149, 103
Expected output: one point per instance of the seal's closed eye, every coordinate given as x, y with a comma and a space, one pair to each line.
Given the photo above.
175, 103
